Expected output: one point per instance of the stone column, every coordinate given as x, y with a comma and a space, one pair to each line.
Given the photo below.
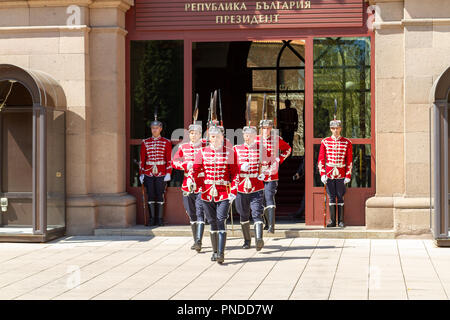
107, 122
389, 115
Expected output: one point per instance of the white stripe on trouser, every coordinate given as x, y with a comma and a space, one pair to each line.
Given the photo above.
213, 231
257, 222
244, 222
271, 206
159, 202
201, 222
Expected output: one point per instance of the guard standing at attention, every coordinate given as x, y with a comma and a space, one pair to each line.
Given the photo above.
155, 169
335, 168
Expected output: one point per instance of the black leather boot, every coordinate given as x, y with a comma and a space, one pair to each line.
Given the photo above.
341, 216
259, 236
199, 236
194, 227
160, 213
266, 220
332, 216
214, 241
151, 207
246, 233
271, 219
222, 239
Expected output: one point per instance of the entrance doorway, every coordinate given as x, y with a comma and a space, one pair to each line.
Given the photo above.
32, 156
440, 132
271, 68
311, 72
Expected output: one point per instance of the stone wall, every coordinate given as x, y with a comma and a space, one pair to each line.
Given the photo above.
412, 45
81, 44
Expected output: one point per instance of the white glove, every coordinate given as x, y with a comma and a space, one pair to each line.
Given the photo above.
244, 166
261, 177
231, 197
324, 179
141, 178
167, 177
190, 165
190, 184
346, 180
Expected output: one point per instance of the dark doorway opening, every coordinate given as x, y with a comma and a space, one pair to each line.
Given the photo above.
274, 68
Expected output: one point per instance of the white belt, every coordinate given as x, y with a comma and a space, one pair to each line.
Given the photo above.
157, 163
201, 174
336, 165
248, 175
219, 182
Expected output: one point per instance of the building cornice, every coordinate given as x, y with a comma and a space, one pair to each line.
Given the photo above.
118, 30
411, 22
372, 2
80, 28
123, 5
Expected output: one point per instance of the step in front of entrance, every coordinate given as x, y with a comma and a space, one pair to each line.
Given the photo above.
297, 230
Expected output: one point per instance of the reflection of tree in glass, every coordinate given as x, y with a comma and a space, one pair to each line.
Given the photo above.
342, 71
159, 83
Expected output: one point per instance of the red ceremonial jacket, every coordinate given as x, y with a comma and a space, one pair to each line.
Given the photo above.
156, 154
251, 154
271, 145
186, 153
220, 172
335, 158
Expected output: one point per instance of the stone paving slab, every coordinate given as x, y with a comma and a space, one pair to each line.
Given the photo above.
146, 267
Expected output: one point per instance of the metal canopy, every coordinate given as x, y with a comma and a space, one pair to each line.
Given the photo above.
44, 90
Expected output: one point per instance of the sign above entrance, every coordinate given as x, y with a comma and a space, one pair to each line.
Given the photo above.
200, 15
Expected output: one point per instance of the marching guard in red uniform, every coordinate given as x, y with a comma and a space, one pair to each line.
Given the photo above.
335, 168
250, 184
184, 160
155, 169
278, 150
219, 187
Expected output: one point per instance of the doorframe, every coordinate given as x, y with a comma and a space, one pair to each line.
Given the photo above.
188, 37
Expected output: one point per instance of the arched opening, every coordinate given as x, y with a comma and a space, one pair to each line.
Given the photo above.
32, 156
440, 99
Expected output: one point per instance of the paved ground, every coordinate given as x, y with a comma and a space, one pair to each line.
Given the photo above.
165, 268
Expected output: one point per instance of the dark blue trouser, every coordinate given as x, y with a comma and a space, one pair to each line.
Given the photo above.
270, 189
216, 213
155, 188
250, 202
336, 189
193, 205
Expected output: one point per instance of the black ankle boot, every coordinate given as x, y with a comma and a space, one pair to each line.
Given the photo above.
199, 236
194, 227
214, 241
259, 236
332, 216
246, 233
341, 216
222, 239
